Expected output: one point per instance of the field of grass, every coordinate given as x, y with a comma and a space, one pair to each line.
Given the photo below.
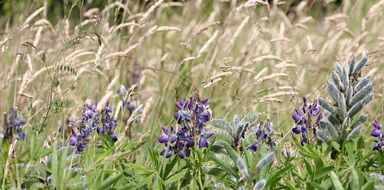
85, 95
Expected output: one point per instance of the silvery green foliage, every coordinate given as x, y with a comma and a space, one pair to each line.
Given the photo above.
260, 185
237, 132
350, 92
266, 160
378, 179
242, 167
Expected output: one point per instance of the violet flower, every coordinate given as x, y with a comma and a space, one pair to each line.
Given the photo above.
108, 123
263, 134
15, 126
378, 134
80, 137
302, 118
192, 116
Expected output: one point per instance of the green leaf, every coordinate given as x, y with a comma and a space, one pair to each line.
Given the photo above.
109, 181
176, 177
231, 152
355, 180
336, 181
277, 176
227, 167
154, 158
169, 167
315, 185
336, 146
322, 172
140, 168
368, 186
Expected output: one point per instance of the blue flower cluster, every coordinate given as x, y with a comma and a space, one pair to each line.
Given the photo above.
303, 123
377, 132
263, 134
80, 139
15, 126
108, 123
192, 116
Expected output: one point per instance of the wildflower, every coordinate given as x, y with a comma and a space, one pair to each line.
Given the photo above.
122, 91
108, 123
303, 123
253, 147
80, 137
191, 115
15, 126
376, 132
264, 134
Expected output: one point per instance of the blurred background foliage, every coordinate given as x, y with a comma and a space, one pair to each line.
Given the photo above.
11, 11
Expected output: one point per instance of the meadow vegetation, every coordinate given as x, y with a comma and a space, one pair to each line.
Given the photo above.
192, 94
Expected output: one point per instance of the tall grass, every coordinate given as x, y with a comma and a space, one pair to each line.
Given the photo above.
246, 57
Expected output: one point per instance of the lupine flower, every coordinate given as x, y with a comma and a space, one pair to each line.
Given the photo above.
253, 147
376, 132
108, 123
264, 134
15, 126
122, 91
80, 137
192, 116
303, 123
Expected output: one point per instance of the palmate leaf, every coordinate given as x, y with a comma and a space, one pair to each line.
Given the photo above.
362, 93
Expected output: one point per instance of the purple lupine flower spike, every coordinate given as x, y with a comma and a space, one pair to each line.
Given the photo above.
192, 116
302, 122
15, 126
